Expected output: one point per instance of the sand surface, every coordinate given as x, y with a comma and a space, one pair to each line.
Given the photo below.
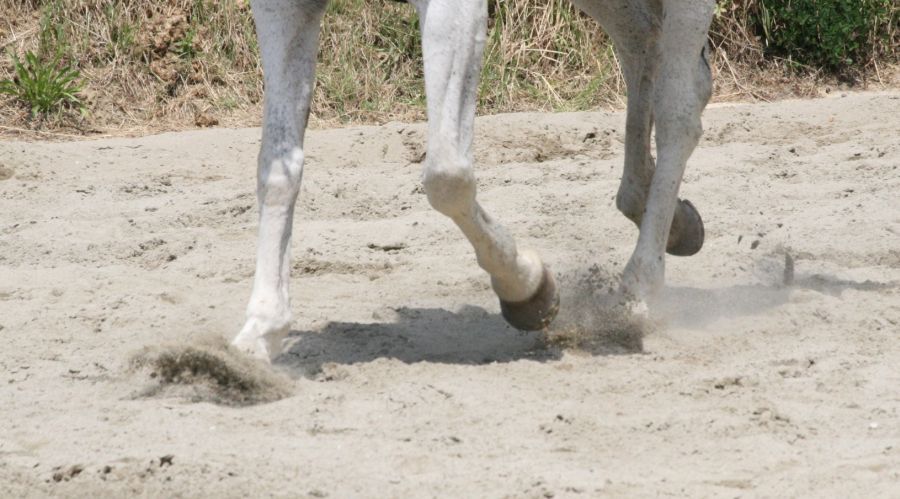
401, 379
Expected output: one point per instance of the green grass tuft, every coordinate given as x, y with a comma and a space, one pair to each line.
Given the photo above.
46, 87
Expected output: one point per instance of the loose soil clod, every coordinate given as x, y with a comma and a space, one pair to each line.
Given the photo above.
209, 371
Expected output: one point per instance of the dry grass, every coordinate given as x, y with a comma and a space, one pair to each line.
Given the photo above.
169, 64
158, 64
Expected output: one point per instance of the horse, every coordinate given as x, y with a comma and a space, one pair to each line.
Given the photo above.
662, 46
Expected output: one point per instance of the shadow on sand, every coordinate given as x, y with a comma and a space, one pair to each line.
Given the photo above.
471, 336
587, 321
590, 320
695, 307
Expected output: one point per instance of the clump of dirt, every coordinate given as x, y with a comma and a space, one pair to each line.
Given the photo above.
209, 370
594, 316
164, 28
6, 173
61, 474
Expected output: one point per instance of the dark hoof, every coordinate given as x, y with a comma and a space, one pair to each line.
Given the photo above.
537, 312
686, 236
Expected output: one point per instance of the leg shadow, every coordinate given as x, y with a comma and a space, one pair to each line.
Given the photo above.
592, 320
471, 336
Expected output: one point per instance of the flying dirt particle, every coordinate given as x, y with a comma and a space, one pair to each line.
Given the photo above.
65, 474
387, 247
166, 460
788, 278
594, 317
209, 370
726, 382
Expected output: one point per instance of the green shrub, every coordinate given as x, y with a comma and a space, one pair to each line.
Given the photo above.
44, 86
838, 35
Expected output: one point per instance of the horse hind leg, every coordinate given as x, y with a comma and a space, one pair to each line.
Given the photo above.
687, 234
636, 28
682, 88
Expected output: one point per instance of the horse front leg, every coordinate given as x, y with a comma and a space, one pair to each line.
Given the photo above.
453, 37
288, 33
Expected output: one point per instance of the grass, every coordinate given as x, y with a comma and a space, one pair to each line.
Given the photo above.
45, 87
163, 64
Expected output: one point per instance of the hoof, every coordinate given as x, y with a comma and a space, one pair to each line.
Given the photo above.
258, 349
537, 312
259, 340
686, 236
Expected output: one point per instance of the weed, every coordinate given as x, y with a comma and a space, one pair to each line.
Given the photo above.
121, 33
52, 36
185, 48
45, 86
228, 103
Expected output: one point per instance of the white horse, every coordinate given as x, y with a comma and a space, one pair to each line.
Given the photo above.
662, 46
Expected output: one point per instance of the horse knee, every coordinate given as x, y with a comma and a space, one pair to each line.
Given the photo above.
450, 186
279, 175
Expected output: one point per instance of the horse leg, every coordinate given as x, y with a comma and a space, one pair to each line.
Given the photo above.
453, 37
682, 88
288, 33
636, 27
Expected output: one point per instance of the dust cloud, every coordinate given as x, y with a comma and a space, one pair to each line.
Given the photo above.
594, 316
207, 369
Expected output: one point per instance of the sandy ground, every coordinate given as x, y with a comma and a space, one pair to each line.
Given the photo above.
401, 378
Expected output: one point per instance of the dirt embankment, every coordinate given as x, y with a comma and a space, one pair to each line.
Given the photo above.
149, 66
